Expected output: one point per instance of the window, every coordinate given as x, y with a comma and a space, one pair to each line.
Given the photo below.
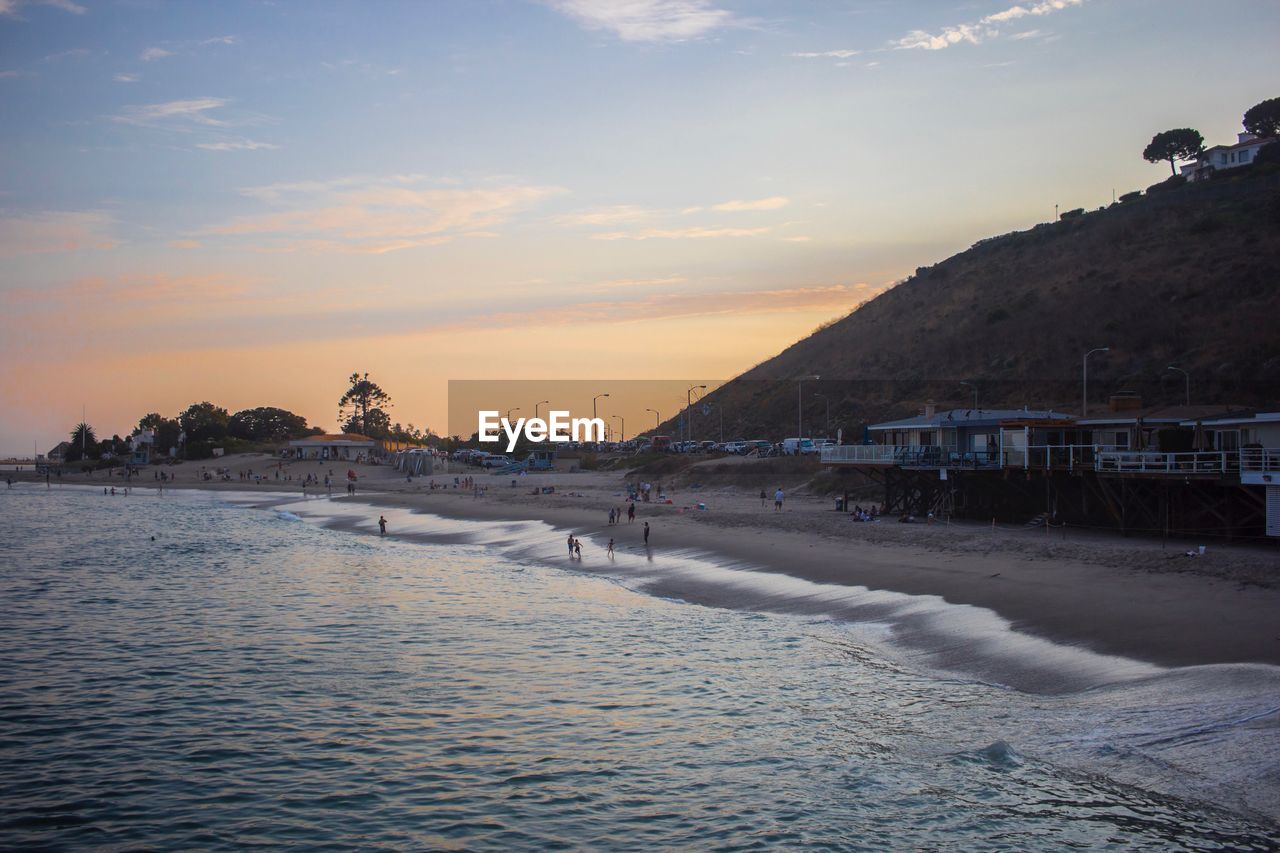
1222, 157
926, 438
1244, 156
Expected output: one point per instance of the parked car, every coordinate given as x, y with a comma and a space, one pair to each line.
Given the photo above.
496, 461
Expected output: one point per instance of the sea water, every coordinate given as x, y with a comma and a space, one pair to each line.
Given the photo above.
260, 675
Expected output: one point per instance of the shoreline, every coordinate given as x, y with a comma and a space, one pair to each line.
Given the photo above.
1117, 597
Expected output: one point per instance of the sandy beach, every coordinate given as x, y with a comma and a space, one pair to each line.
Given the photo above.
1139, 598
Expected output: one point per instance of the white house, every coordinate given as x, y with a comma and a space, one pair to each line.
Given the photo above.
1243, 152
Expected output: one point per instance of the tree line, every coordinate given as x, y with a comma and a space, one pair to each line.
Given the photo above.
200, 427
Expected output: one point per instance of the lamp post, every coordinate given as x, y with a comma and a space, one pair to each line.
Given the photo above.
593, 405
624, 426
509, 411
1186, 376
800, 404
688, 414
536, 405
657, 419
826, 400
975, 392
1084, 377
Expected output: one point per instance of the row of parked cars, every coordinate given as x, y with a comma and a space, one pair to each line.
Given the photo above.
748, 447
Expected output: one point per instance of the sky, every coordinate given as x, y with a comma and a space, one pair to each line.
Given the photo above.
245, 202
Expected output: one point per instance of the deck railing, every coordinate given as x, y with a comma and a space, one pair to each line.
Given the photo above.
1153, 462
1069, 457
1260, 460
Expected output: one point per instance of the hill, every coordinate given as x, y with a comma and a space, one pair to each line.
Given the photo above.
1186, 275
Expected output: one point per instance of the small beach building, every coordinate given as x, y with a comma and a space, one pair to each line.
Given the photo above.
59, 452
346, 447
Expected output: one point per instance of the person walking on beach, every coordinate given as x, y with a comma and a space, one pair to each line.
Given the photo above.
611, 515
646, 534
577, 548
609, 550
382, 525
763, 498
571, 546
777, 500
631, 512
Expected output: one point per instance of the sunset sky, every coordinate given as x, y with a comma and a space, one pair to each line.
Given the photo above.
244, 202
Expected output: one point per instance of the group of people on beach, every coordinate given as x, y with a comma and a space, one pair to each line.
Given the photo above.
575, 544
615, 514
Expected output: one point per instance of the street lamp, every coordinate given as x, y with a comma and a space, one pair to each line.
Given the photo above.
509, 411
688, 415
1084, 375
975, 392
1186, 376
800, 404
536, 405
593, 403
624, 426
826, 400
657, 419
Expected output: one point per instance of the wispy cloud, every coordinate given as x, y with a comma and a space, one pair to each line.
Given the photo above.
694, 233
646, 20
237, 145
826, 54
126, 78
222, 40
835, 297
610, 215
984, 28
55, 231
16, 72
378, 215
12, 7
771, 203
180, 115
151, 54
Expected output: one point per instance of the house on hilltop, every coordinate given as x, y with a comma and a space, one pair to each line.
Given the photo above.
59, 452
1220, 157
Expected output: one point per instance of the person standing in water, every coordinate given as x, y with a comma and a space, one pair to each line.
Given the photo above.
570, 546
646, 534
609, 550
382, 525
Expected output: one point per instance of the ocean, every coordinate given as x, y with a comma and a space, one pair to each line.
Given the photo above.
204, 670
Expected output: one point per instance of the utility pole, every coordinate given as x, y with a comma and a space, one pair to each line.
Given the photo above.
800, 404
688, 410
826, 400
1186, 376
1084, 376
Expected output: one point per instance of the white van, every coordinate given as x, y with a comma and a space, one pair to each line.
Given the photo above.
797, 446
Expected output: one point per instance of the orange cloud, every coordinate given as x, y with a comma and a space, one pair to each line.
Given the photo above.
378, 215
55, 231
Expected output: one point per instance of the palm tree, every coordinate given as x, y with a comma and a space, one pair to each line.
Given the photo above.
82, 437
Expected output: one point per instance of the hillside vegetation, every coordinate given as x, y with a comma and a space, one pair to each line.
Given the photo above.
1186, 275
